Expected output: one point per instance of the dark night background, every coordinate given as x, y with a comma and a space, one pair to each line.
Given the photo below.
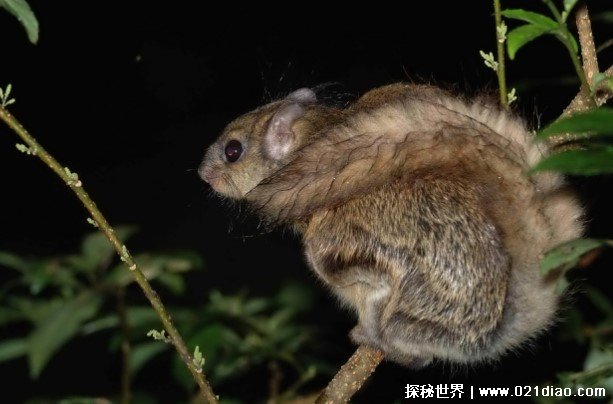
130, 94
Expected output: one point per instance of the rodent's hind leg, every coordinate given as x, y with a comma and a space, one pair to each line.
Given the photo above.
399, 352
370, 304
369, 301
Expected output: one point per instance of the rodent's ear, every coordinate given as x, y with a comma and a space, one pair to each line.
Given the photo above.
280, 137
302, 96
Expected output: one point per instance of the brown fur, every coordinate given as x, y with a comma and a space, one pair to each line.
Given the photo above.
415, 209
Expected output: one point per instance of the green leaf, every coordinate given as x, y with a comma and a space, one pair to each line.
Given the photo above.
97, 250
100, 324
13, 261
568, 7
173, 282
58, 327
531, 17
143, 353
522, 35
255, 306
51, 272
12, 348
567, 255
22, 11
591, 161
35, 310
594, 122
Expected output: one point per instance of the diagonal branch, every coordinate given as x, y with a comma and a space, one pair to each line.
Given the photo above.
351, 376
77, 187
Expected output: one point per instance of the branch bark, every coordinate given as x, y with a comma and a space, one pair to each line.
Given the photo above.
76, 186
586, 39
351, 376
582, 102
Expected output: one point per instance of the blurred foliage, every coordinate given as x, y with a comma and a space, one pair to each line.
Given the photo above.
238, 334
56, 300
60, 298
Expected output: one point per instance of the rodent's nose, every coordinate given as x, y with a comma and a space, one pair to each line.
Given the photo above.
205, 173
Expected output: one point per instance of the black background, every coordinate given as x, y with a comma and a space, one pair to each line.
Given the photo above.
130, 94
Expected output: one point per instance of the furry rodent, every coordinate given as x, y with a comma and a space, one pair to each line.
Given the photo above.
414, 207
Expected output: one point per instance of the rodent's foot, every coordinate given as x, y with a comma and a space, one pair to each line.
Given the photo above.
360, 335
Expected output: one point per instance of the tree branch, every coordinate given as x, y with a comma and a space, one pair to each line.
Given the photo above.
351, 376
583, 100
76, 186
586, 39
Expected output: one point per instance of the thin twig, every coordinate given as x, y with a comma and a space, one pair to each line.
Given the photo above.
126, 349
604, 45
76, 186
500, 71
351, 376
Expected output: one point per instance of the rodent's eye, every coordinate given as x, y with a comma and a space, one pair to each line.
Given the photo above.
233, 150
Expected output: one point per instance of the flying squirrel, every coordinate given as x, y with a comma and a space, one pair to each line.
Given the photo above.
414, 207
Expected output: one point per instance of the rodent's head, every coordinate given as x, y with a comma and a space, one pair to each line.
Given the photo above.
256, 144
